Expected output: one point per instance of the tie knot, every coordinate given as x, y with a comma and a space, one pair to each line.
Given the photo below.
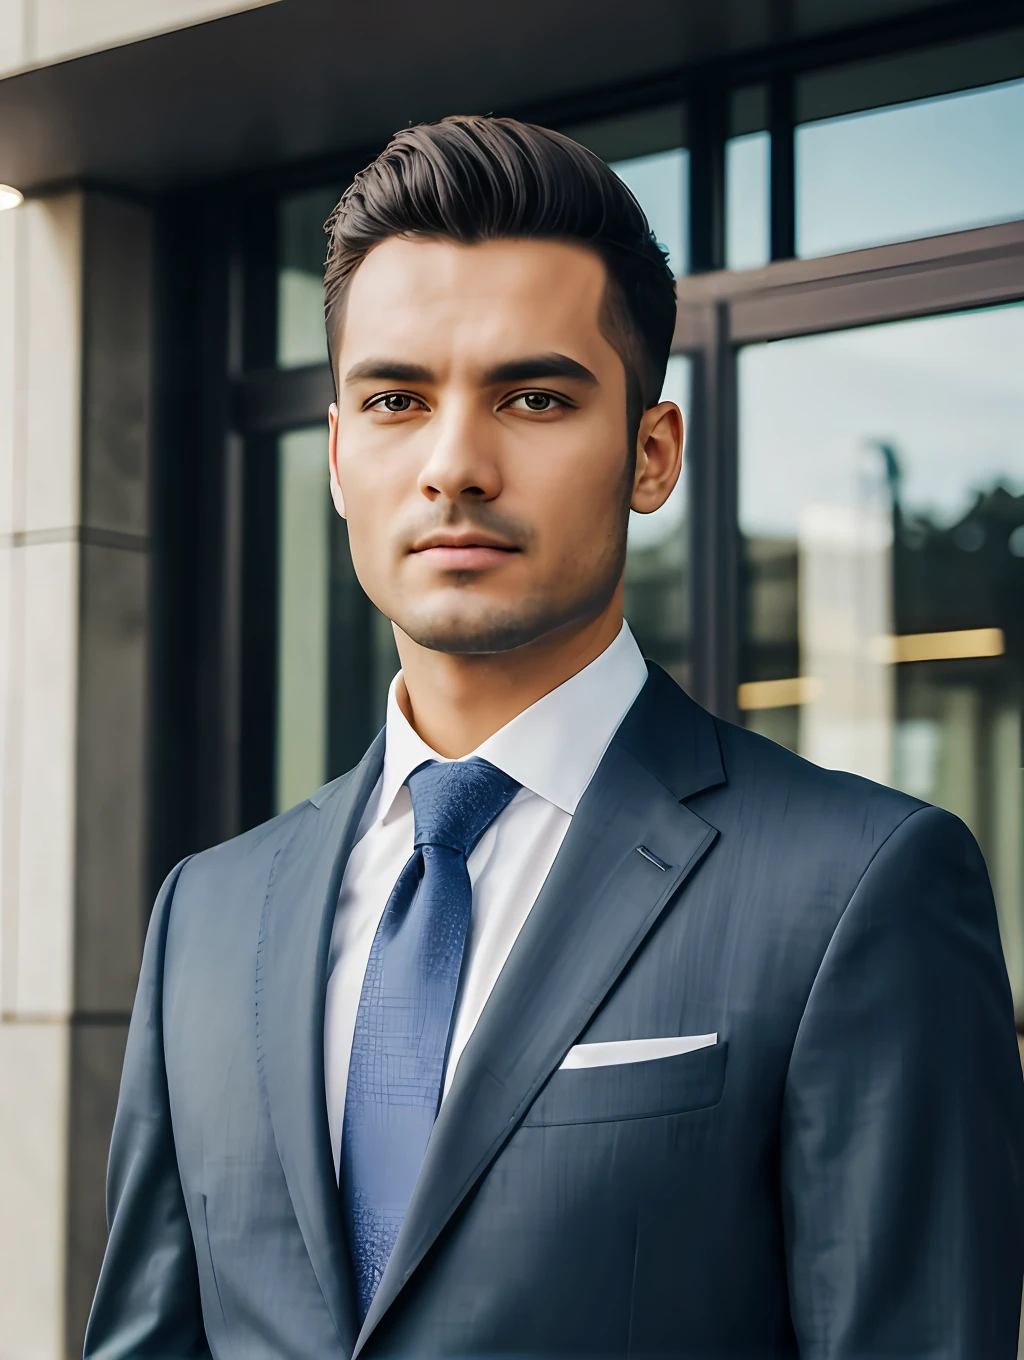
454, 802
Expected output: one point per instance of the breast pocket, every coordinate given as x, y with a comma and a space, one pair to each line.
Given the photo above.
640, 1090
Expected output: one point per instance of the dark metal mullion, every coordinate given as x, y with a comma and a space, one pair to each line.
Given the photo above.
261, 489
219, 527
259, 264
708, 130
714, 536
782, 191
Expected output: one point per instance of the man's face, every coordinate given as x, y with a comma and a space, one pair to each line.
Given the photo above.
479, 451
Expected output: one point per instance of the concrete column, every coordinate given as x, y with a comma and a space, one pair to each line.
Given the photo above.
75, 358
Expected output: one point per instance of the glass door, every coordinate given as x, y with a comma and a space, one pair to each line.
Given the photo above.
881, 504
332, 654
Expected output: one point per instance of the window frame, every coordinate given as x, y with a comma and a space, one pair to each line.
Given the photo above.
251, 402
720, 313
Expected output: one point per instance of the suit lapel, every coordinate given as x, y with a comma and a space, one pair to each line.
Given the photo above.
291, 983
598, 904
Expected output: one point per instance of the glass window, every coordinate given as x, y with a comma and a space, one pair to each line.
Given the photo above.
657, 601
304, 511
335, 654
882, 519
647, 150
747, 174
878, 160
301, 250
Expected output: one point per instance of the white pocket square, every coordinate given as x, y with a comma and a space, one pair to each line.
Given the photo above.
633, 1050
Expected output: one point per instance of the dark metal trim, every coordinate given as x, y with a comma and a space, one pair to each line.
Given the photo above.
782, 184
712, 470
282, 399
708, 132
884, 296
258, 637
966, 269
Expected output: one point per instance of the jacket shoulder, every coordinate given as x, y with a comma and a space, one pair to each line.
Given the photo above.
758, 768
235, 862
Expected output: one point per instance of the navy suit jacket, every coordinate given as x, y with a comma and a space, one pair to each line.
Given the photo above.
839, 1176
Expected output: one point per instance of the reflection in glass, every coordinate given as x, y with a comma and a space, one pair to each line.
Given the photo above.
747, 175
660, 184
747, 169
336, 653
909, 170
657, 602
882, 514
304, 515
647, 150
301, 250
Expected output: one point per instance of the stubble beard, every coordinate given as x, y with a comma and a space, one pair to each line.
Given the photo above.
530, 618
518, 623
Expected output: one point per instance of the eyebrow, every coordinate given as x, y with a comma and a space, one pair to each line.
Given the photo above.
539, 366
513, 370
388, 370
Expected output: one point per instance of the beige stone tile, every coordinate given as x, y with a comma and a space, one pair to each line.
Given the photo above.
11, 677
53, 361
9, 350
7, 662
33, 1198
13, 52
45, 890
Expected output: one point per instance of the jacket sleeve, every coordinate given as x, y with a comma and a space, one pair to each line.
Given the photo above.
902, 1148
147, 1300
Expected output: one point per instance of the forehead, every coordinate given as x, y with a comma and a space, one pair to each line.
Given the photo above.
506, 294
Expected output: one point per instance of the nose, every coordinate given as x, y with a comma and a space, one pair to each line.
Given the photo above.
461, 462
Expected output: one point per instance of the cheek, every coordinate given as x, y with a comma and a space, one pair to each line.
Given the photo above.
367, 520
576, 494
373, 489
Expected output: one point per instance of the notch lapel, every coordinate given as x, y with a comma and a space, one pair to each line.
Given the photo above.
291, 986
598, 904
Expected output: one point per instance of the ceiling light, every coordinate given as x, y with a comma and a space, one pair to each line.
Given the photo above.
9, 197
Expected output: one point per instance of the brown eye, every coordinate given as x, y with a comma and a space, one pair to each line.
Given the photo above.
541, 403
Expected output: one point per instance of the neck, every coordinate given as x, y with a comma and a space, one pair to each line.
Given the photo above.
456, 702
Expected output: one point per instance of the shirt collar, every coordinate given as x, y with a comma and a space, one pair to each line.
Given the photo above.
553, 747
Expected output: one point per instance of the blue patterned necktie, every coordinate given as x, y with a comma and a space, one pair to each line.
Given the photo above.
403, 1025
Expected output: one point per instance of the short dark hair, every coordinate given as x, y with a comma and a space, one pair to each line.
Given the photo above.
471, 179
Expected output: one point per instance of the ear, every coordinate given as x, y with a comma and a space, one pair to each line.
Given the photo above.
337, 495
659, 457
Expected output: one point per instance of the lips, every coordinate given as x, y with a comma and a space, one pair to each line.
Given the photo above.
463, 550
464, 556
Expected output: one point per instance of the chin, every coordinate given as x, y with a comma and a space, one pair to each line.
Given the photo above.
482, 631
461, 638
490, 628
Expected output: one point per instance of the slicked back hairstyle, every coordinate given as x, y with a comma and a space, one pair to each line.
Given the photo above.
472, 179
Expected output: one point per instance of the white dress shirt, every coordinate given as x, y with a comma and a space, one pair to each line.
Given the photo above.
552, 749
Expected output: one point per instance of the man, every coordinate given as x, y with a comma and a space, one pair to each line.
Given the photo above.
573, 1021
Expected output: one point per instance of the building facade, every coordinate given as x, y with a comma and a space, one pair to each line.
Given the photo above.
184, 647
